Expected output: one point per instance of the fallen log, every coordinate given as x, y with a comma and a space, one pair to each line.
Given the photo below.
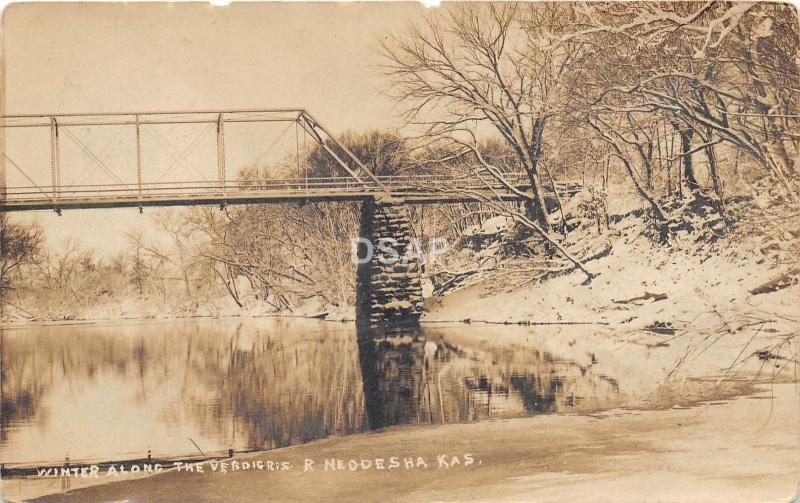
647, 296
780, 282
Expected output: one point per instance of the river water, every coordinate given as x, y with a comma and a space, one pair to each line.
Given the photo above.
116, 391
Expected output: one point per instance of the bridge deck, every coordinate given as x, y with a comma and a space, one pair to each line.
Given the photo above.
414, 189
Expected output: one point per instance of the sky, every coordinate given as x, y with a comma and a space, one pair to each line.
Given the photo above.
68, 58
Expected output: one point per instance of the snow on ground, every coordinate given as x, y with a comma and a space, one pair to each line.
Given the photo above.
702, 286
745, 449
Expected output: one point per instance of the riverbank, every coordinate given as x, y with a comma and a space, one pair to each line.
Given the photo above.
642, 285
747, 448
133, 309
699, 280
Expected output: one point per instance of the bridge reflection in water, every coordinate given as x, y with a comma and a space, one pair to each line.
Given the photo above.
259, 384
410, 377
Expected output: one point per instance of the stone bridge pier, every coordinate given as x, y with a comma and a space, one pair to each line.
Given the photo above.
388, 285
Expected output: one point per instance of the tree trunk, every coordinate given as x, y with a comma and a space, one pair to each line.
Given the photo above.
658, 213
646, 155
535, 208
712, 169
558, 199
688, 168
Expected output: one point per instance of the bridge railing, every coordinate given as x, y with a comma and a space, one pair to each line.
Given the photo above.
394, 183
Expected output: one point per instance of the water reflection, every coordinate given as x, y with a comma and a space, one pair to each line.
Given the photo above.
393, 373
112, 392
413, 377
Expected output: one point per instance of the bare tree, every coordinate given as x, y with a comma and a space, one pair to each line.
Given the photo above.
289, 253
138, 263
20, 245
725, 72
470, 67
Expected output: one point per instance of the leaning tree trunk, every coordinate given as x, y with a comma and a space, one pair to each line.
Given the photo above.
717, 186
536, 207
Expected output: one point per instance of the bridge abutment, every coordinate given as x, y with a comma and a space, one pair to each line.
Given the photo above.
388, 285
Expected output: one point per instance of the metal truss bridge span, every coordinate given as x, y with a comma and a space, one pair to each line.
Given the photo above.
64, 167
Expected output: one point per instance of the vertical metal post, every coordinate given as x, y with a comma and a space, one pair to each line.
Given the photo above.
221, 153
297, 151
139, 161
305, 155
54, 158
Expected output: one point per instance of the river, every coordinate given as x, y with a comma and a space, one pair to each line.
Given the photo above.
121, 391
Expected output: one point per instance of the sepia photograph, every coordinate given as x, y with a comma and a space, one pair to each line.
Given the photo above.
542, 251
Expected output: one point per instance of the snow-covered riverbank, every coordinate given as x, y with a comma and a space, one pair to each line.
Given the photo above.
638, 285
678, 454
